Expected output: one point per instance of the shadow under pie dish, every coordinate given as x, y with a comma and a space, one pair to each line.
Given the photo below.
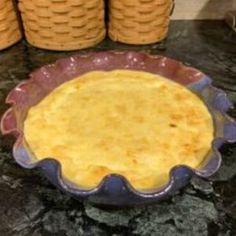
112, 100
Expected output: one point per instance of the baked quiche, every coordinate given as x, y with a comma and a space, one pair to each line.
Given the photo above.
132, 123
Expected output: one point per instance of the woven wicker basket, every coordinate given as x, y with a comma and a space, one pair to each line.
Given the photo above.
9, 27
139, 21
63, 24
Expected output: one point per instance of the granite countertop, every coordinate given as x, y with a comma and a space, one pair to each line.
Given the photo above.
30, 205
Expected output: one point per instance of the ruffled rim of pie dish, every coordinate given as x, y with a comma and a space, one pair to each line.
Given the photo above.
115, 189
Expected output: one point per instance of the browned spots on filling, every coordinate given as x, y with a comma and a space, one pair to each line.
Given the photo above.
121, 109
139, 119
176, 117
180, 96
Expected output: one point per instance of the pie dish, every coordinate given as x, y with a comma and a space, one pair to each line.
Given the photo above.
127, 122
115, 189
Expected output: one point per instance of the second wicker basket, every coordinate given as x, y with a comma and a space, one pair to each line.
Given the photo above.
63, 24
139, 21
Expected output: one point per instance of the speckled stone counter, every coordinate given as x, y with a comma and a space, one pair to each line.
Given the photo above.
30, 205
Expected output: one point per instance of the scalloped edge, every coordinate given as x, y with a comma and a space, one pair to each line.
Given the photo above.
179, 175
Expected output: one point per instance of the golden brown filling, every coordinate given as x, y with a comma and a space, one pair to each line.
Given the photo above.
131, 123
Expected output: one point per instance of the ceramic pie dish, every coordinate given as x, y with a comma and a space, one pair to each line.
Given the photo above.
114, 189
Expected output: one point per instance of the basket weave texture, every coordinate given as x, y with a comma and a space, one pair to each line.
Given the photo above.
9, 27
63, 24
139, 21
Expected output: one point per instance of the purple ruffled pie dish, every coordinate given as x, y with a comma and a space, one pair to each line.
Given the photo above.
115, 190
